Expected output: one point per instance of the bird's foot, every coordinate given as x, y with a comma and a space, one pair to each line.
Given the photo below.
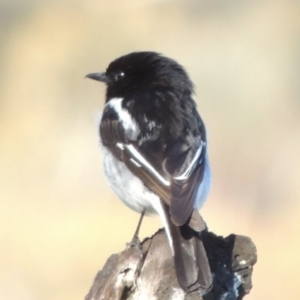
135, 242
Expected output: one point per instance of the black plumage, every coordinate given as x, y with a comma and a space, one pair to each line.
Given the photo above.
150, 127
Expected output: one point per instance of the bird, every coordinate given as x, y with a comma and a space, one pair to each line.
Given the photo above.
154, 149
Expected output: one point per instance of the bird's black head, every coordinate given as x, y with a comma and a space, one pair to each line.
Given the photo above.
143, 72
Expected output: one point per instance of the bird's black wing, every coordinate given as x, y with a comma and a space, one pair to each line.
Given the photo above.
137, 160
186, 164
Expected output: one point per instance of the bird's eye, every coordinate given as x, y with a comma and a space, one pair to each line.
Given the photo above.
119, 76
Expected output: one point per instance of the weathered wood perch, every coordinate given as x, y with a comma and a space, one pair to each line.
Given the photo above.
147, 272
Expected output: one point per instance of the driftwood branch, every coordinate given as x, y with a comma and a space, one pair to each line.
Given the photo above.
147, 271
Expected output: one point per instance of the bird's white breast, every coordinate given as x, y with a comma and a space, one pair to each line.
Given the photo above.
129, 188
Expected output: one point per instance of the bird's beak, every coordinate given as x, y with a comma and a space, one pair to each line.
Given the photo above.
98, 76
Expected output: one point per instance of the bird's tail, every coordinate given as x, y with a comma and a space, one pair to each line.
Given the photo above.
190, 259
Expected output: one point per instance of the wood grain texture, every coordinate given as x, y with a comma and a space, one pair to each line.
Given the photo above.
146, 271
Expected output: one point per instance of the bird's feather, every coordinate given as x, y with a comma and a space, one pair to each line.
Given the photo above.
170, 179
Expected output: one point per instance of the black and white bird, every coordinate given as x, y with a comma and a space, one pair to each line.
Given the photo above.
155, 153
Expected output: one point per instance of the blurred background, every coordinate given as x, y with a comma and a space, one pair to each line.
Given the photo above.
59, 221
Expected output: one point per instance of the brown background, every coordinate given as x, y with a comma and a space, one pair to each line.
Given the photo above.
59, 221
